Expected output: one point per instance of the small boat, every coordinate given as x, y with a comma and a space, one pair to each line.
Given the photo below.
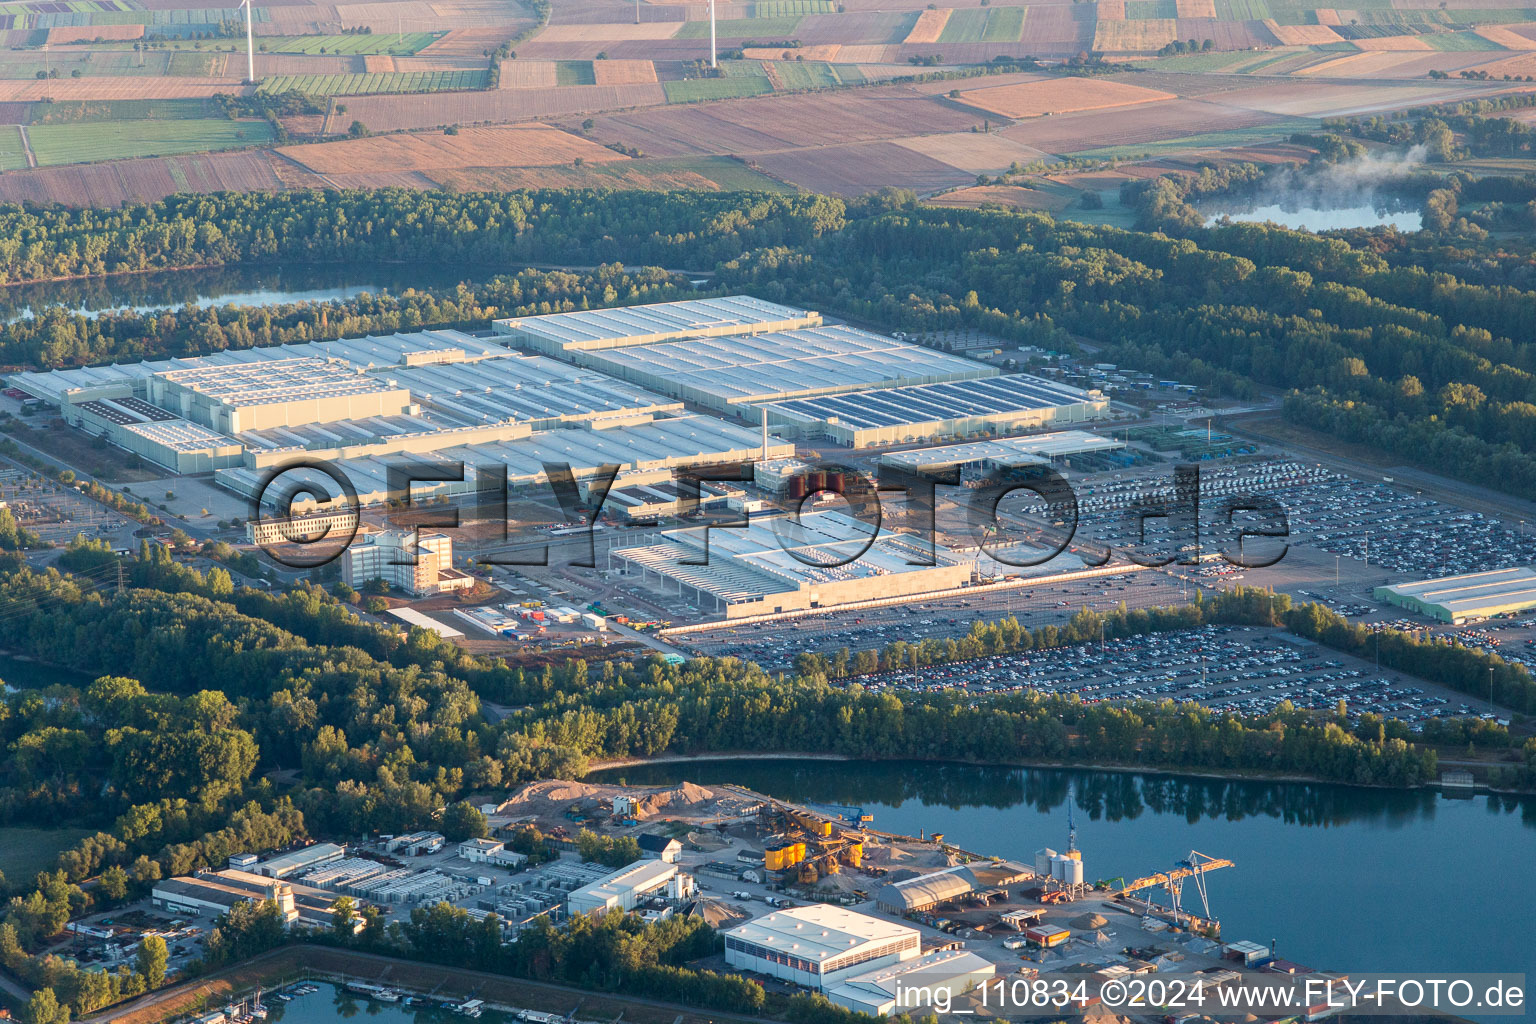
387, 995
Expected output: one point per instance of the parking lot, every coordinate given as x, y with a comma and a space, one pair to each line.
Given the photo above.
1248, 670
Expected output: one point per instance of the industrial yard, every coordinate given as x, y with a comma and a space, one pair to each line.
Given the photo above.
897, 911
812, 407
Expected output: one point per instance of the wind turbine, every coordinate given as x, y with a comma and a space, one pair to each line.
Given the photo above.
712, 61
250, 46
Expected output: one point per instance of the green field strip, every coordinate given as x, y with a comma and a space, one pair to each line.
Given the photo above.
761, 29
1206, 140
695, 89
55, 144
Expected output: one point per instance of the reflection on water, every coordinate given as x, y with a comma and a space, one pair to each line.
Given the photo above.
1341, 877
331, 1003
1312, 212
221, 286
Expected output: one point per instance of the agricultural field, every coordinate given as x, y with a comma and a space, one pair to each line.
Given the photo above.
695, 90
531, 146
366, 84
135, 80
13, 152
791, 8
761, 29
984, 25
406, 43
1058, 96
86, 142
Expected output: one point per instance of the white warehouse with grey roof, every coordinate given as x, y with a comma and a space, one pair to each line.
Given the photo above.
901, 415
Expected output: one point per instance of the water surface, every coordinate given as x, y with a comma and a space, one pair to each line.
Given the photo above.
1336, 877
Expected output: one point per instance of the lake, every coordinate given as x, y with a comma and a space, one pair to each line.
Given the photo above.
1314, 212
1336, 877
222, 286
23, 673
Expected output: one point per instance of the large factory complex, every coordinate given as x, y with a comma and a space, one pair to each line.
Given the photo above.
650, 388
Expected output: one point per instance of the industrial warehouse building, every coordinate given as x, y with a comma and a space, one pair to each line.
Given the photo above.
215, 892
913, 984
753, 571
275, 393
924, 892
730, 353
1477, 595
732, 315
624, 888
645, 453
820, 945
990, 405
732, 374
1075, 448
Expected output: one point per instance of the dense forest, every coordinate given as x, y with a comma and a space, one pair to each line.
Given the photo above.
385, 730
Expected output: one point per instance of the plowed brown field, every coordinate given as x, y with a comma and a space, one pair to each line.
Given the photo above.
1303, 35
1032, 99
623, 72
89, 33
534, 146
929, 26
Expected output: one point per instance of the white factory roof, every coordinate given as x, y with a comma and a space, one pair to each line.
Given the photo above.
747, 564
641, 876
926, 403
522, 388
815, 360
272, 381
363, 353
412, 617
179, 435
658, 444
1466, 595
1009, 450
818, 931
285, 863
674, 319
892, 983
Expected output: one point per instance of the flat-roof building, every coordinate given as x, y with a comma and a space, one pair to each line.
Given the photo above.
275, 393
1477, 595
285, 864
645, 453
555, 333
156, 435
819, 945
774, 566
730, 374
622, 889
217, 892
913, 984
976, 457
989, 405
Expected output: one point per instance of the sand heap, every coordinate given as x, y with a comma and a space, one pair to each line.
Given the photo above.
549, 798
1089, 922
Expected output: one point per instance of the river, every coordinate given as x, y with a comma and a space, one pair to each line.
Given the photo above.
221, 286
1337, 877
